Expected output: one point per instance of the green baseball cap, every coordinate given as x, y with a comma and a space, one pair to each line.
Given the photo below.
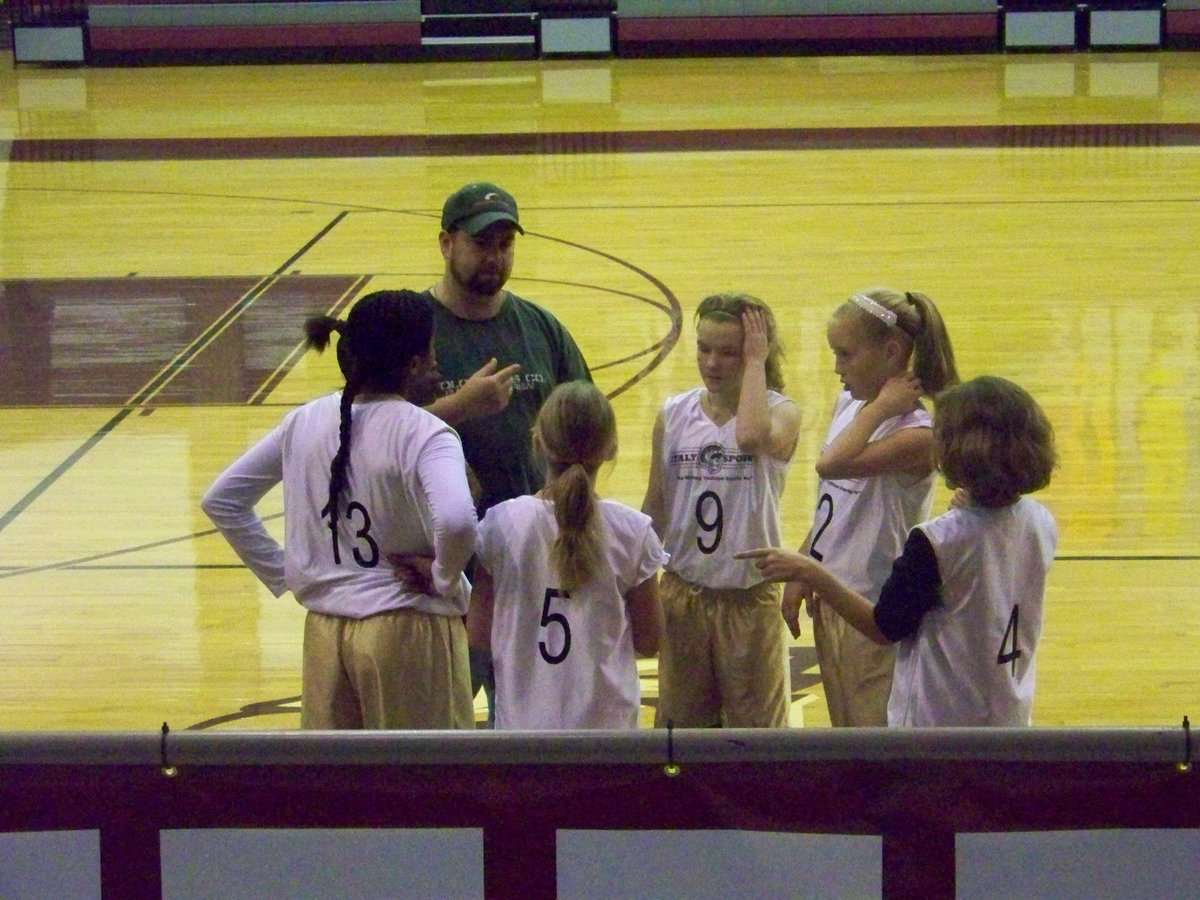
475, 206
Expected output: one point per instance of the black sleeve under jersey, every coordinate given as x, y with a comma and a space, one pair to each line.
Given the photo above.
913, 588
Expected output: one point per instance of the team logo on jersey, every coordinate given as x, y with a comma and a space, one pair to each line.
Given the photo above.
711, 458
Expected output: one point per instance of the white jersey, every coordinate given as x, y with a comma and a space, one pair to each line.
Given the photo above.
717, 500
860, 524
407, 494
564, 660
972, 660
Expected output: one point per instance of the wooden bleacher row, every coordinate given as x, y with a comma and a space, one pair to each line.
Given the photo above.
129, 31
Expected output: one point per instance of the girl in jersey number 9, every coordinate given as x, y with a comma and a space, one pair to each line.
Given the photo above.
718, 464
566, 584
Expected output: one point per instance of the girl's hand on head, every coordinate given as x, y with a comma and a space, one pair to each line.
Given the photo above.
900, 394
756, 344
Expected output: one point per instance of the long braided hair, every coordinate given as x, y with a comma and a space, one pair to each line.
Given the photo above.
378, 340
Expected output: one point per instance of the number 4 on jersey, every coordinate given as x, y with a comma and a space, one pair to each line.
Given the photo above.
1009, 651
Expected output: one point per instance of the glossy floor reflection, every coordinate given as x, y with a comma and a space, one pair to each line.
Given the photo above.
164, 231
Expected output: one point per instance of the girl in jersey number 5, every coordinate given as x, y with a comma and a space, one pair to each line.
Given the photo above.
718, 464
875, 480
965, 597
565, 591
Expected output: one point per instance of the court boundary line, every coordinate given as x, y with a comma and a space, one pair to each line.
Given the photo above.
574, 143
626, 207
84, 563
177, 365
273, 380
674, 310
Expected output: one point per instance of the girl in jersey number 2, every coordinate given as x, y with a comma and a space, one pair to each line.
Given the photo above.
718, 464
372, 485
565, 592
965, 597
876, 480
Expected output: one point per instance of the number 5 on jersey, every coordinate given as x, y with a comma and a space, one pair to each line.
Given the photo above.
556, 620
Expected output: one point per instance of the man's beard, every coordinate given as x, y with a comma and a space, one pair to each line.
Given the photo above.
483, 282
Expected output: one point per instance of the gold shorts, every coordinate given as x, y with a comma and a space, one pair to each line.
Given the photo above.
399, 669
722, 660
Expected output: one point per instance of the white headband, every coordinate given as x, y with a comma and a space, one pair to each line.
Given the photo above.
875, 308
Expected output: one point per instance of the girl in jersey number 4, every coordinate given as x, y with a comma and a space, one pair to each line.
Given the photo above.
718, 464
875, 480
565, 590
965, 597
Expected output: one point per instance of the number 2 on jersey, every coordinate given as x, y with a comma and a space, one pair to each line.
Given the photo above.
825, 503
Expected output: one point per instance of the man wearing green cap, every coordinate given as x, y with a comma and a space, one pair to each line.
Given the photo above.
500, 355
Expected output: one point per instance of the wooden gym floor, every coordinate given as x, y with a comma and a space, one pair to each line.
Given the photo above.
166, 230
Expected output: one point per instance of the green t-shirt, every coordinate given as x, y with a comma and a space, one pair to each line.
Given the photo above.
498, 446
